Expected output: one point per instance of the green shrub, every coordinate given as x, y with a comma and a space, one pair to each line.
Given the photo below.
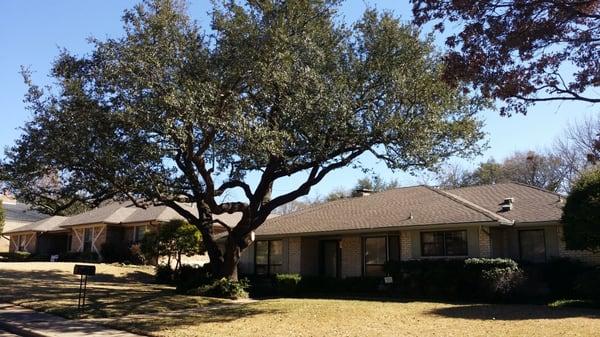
16, 256
476, 279
587, 285
135, 255
223, 288
493, 278
190, 277
164, 274
438, 279
114, 252
561, 274
287, 284
21, 256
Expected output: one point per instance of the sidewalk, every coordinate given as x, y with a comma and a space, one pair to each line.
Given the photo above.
29, 323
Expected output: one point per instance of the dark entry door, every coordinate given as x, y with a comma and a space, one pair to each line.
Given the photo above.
330, 258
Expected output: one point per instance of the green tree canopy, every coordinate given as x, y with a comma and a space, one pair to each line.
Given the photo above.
277, 88
174, 239
581, 214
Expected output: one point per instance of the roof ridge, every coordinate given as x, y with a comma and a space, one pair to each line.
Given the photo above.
315, 207
472, 206
538, 188
506, 183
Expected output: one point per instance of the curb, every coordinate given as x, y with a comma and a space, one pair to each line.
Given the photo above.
19, 330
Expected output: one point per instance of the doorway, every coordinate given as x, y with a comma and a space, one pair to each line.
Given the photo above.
330, 258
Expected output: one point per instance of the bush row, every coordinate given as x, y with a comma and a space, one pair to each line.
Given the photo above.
490, 280
476, 279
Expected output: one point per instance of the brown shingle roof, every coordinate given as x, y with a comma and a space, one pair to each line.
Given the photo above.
392, 208
126, 212
530, 204
428, 206
51, 224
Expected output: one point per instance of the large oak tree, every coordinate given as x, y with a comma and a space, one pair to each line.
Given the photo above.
277, 88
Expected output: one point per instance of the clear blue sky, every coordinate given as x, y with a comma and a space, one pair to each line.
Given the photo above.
31, 33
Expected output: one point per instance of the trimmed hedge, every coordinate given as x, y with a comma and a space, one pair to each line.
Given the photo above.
587, 285
287, 284
16, 256
474, 279
222, 288
191, 277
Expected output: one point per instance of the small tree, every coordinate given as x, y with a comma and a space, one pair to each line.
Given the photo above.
173, 240
581, 214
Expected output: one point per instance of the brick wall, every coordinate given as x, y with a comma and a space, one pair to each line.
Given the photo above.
405, 246
583, 255
485, 246
351, 256
294, 255
30, 240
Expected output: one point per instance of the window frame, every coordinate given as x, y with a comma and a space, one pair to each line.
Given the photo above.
445, 243
136, 230
269, 263
519, 231
387, 238
91, 242
21, 242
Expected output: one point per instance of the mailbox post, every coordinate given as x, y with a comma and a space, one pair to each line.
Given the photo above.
84, 271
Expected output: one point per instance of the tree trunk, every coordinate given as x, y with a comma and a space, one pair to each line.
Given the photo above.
229, 269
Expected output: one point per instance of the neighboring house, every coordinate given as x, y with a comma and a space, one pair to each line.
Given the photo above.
117, 224
16, 215
357, 236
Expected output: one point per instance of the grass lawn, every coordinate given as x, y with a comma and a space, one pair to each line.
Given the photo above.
119, 297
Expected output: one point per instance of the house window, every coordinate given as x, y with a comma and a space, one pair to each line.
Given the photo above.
21, 242
378, 251
444, 243
268, 256
532, 245
139, 232
87, 240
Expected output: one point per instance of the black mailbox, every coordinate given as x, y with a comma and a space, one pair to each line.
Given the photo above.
83, 269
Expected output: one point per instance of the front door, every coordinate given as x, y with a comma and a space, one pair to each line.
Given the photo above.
330, 258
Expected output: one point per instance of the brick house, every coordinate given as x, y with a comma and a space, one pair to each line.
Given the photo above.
16, 215
357, 236
119, 224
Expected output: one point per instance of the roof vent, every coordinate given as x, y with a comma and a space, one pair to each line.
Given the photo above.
507, 204
362, 192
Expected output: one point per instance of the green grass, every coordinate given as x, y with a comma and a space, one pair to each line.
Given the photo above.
575, 304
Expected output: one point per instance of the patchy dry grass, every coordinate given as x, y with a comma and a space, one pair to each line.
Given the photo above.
114, 291
122, 300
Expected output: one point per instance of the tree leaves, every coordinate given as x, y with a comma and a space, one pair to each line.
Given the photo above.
167, 112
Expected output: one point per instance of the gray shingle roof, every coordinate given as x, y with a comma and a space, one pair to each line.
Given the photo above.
51, 224
113, 213
126, 212
401, 207
419, 206
530, 204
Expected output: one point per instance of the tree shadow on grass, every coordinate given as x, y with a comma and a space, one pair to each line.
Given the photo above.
119, 301
192, 318
57, 292
511, 312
